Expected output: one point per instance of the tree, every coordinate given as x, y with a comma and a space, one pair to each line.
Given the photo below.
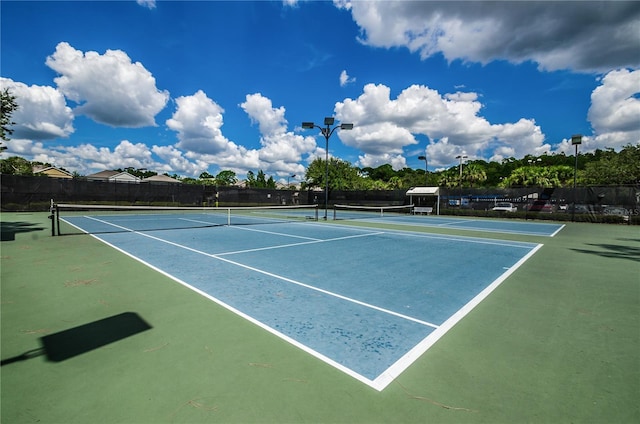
261, 180
191, 181
16, 165
138, 172
539, 176
383, 172
474, 172
342, 175
614, 168
251, 179
226, 178
7, 108
449, 178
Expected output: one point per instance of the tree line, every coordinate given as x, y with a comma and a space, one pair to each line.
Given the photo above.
602, 167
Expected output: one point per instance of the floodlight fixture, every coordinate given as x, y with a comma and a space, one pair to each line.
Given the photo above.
329, 121
346, 126
307, 125
576, 139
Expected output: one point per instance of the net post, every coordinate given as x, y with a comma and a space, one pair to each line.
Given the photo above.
52, 218
57, 220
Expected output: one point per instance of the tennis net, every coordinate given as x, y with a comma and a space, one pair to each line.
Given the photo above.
364, 212
95, 219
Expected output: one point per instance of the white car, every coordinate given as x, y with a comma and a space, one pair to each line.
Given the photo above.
505, 207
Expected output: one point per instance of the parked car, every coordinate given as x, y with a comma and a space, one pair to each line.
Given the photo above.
540, 206
505, 207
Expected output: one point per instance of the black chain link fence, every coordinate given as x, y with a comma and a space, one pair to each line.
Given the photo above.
591, 204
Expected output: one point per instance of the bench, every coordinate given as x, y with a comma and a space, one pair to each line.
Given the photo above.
422, 209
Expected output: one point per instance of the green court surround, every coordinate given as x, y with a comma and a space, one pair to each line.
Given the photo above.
557, 342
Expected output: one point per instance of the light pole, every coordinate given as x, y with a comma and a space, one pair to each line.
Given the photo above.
576, 140
461, 157
288, 184
426, 170
326, 131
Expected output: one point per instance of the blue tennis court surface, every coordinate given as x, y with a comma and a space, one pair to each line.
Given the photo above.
461, 223
369, 302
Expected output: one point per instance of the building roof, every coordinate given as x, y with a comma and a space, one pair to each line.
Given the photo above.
124, 177
117, 176
423, 191
102, 175
161, 179
51, 171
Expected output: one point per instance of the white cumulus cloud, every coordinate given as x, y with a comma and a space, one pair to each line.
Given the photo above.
452, 122
198, 121
108, 88
615, 109
42, 112
614, 114
584, 36
281, 151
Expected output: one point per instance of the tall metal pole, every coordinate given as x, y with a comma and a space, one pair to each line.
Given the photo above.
426, 168
461, 157
460, 182
327, 134
426, 173
575, 140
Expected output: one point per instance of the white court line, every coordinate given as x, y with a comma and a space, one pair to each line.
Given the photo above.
249, 318
454, 225
274, 233
464, 239
280, 277
403, 363
444, 224
197, 221
314, 241
478, 229
558, 230
391, 373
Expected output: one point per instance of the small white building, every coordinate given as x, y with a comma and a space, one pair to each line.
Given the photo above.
424, 199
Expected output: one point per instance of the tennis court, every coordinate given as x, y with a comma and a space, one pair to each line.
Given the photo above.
368, 302
90, 334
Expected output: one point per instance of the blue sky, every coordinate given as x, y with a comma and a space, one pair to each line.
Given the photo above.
187, 87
